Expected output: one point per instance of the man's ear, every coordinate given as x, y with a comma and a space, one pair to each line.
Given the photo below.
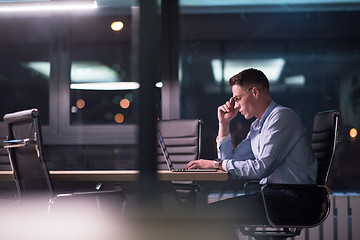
256, 92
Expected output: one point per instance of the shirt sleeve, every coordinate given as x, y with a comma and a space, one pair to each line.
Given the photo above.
277, 138
220, 141
226, 152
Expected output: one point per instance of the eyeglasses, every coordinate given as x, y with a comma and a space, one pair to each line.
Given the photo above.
238, 97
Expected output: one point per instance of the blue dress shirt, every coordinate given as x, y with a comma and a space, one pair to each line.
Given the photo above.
276, 150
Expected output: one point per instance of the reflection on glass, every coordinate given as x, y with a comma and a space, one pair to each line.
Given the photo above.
21, 6
117, 26
298, 80
353, 132
42, 68
101, 76
93, 71
119, 118
106, 86
271, 67
80, 103
124, 103
24, 79
102, 107
311, 67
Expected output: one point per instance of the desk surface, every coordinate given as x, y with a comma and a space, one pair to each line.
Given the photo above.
125, 175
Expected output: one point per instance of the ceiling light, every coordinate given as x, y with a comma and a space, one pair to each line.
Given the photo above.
105, 86
217, 3
271, 67
159, 84
92, 71
43, 68
117, 26
353, 133
217, 69
47, 6
81, 71
298, 80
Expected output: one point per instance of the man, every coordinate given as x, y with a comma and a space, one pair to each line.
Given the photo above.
276, 149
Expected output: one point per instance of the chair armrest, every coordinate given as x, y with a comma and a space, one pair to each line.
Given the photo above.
186, 185
90, 194
295, 205
101, 201
252, 187
18, 143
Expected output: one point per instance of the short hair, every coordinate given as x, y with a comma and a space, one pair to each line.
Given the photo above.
250, 78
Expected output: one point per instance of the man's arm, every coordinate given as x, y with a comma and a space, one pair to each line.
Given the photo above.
241, 152
226, 113
279, 135
201, 163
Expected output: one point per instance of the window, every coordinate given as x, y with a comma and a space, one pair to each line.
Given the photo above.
24, 67
311, 67
101, 90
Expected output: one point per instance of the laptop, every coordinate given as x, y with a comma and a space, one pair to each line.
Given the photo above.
169, 162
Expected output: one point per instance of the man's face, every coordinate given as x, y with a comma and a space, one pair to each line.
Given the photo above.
244, 101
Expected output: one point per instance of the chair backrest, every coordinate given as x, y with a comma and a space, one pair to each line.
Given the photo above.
26, 152
183, 141
4, 157
324, 140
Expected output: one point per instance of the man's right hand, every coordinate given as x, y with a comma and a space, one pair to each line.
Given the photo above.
227, 111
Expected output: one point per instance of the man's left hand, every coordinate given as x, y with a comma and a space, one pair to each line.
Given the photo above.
201, 163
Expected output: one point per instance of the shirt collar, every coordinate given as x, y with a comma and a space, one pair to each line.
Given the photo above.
269, 109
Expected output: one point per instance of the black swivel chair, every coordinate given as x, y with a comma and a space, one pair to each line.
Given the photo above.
25, 149
4, 158
183, 142
7, 188
282, 226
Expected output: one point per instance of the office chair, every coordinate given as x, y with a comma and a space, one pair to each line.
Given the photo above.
183, 142
7, 188
282, 226
4, 158
25, 150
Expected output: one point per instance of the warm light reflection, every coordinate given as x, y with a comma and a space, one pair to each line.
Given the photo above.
124, 103
119, 118
80, 103
353, 132
117, 26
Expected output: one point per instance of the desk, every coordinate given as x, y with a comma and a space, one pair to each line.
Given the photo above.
124, 175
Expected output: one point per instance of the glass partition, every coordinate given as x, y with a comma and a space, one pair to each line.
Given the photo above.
310, 53
101, 90
25, 78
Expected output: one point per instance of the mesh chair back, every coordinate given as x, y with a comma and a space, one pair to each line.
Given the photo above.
183, 140
25, 151
324, 140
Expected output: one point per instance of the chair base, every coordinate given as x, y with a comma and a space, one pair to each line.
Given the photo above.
263, 233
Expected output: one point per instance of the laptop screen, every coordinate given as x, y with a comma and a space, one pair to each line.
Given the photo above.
164, 151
